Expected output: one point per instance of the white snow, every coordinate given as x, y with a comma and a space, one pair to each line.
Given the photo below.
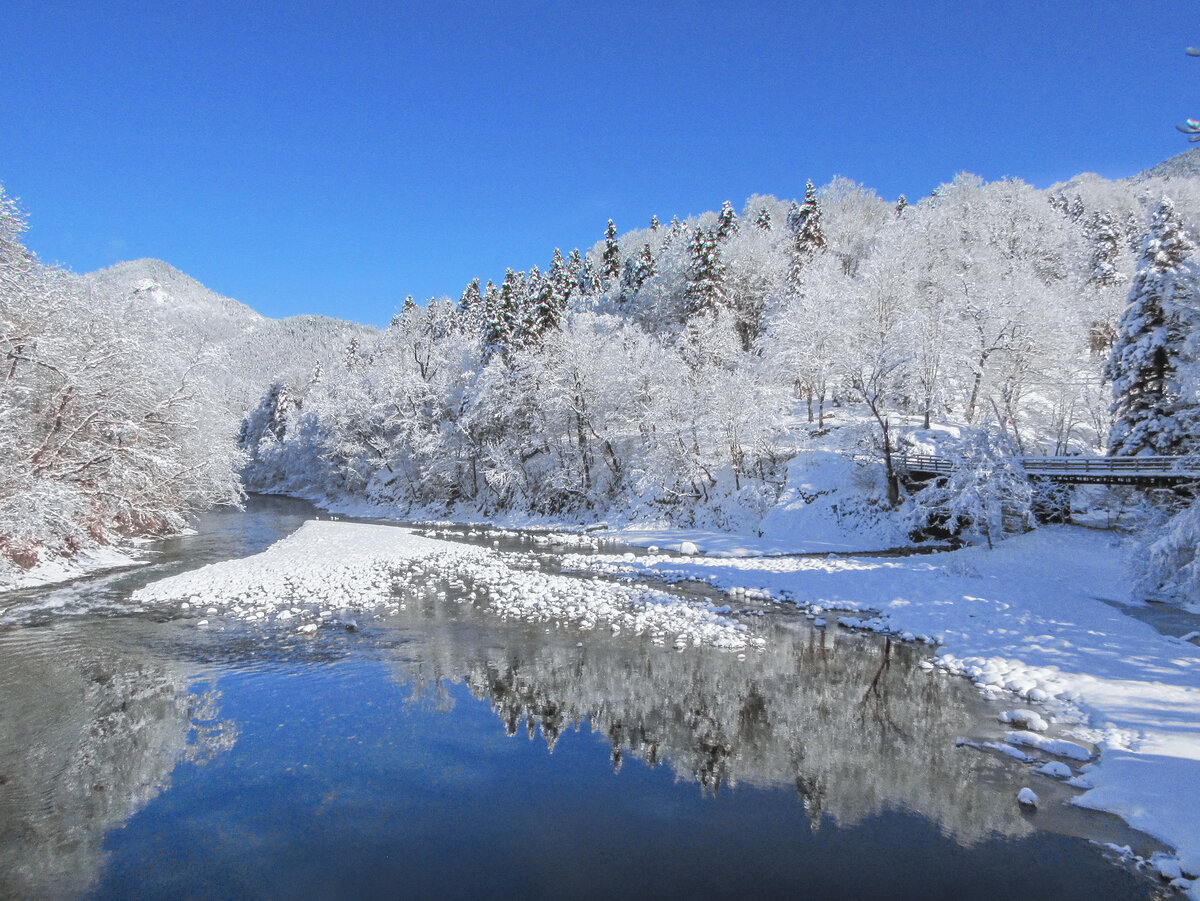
1055, 769
1025, 718
326, 566
1056, 746
62, 569
1027, 798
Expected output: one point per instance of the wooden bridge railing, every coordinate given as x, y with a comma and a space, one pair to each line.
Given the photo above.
1113, 470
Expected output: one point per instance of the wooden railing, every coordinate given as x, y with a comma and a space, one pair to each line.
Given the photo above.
1078, 469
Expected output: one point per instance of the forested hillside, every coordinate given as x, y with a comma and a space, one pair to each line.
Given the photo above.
108, 425
122, 395
673, 371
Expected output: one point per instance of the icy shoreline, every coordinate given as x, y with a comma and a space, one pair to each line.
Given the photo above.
87, 562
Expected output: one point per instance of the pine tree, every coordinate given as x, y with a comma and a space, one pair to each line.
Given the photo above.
470, 306
645, 268
764, 219
534, 285
794, 221
610, 267
808, 238
654, 224
727, 224
1106, 244
575, 269
561, 279
409, 308
1075, 208
512, 291
901, 205
706, 274
1153, 413
492, 321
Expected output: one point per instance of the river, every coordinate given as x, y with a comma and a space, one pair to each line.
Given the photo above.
440, 751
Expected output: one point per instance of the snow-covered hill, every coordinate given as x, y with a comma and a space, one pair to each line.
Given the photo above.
1182, 165
251, 350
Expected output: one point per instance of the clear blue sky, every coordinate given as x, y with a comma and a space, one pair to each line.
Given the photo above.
333, 157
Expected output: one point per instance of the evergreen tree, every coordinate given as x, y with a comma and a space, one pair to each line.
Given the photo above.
1075, 208
512, 292
764, 219
654, 224
492, 321
1106, 246
575, 271
561, 279
610, 267
727, 224
1153, 413
808, 238
409, 308
547, 311
705, 291
353, 359
793, 218
470, 306
535, 284
546, 304
901, 205
645, 268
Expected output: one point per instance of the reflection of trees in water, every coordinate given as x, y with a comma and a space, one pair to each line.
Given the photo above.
851, 722
90, 736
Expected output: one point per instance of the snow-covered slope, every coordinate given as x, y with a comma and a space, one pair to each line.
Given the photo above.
250, 350
1182, 165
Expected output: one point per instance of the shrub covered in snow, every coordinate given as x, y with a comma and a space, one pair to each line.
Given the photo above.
985, 494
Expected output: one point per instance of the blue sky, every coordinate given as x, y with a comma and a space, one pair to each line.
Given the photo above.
333, 157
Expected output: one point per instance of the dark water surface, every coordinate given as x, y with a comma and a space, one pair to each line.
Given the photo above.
440, 752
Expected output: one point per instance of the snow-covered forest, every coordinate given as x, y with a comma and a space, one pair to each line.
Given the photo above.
108, 425
672, 371
669, 372
121, 397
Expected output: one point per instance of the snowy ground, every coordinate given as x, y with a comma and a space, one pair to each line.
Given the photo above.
1040, 619
327, 571
58, 570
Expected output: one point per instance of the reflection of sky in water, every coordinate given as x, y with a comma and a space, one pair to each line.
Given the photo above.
377, 763
344, 783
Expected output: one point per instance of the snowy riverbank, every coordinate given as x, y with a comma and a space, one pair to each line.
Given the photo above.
1042, 617
327, 571
57, 570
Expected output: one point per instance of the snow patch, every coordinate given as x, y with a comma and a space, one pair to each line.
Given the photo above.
326, 566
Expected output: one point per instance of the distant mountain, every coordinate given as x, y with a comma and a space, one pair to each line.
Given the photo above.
252, 351
1182, 165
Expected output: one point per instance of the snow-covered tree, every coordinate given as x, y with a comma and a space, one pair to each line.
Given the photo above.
1107, 247
108, 425
984, 494
610, 267
1150, 358
706, 274
727, 222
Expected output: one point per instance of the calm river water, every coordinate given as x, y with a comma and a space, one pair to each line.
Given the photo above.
441, 752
